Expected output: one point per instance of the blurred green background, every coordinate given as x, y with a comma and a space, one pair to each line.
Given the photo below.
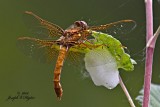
19, 73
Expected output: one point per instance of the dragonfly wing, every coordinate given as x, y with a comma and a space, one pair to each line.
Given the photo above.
41, 26
76, 53
75, 59
41, 50
119, 27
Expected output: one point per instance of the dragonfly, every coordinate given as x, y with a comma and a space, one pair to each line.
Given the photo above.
74, 37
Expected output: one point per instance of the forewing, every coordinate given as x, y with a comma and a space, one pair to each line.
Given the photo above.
119, 27
42, 28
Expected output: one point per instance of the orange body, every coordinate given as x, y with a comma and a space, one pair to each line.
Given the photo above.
57, 72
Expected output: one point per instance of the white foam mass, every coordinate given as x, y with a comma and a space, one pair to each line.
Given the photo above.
102, 68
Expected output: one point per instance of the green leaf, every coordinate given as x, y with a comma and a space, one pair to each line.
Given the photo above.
116, 49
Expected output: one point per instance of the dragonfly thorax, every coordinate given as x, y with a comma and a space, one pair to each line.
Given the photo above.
74, 34
69, 39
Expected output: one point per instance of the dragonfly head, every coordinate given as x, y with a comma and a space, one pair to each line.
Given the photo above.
81, 24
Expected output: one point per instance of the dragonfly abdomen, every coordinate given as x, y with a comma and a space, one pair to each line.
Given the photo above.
57, 72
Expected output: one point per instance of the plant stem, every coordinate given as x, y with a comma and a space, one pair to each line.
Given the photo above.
149, 59
148, 76
126, 92
149, 53
149, 20
152, 41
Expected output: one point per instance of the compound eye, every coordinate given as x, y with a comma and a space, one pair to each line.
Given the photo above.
83, 23
77, 23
